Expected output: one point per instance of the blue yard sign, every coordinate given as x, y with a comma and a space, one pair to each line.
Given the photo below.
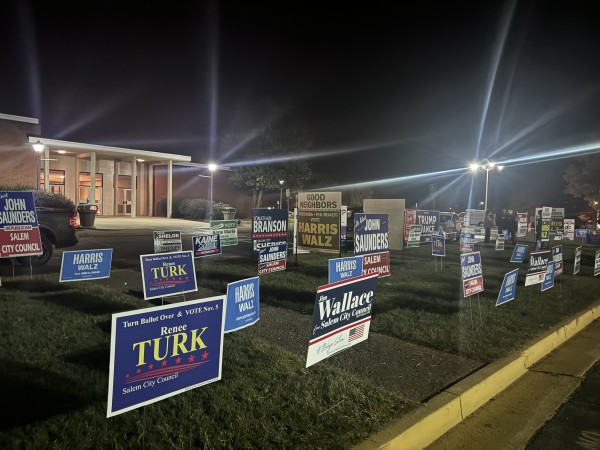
243, 307
344, 268
509, 287
548, 281
85, 265
156, 353
206, 245
518, 255
165, 274
438, 245
371, 233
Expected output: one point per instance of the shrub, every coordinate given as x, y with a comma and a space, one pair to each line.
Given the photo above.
42, 198
194, 208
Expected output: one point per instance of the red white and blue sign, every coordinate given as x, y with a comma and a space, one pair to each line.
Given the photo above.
557, 257
472, 273
85, 265
206, 245
243, 304
342, 317
378, 263
343, 268
548, 281
19, 229
467, 240
538, 261
165, 274
269, 228
430, 223
370, 233
508, 290
438, 245
519, 252
156, 353
272, 259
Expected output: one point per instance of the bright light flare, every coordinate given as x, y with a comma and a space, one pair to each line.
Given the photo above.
212, 167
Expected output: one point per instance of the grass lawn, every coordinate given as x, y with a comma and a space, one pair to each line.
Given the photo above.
54, 355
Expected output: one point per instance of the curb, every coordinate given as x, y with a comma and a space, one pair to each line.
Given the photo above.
443, 412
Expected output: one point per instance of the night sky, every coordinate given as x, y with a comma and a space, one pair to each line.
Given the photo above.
401, 88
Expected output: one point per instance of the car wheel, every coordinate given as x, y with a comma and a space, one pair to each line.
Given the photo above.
42, 259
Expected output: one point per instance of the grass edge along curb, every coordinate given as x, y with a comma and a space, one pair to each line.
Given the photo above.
443, 412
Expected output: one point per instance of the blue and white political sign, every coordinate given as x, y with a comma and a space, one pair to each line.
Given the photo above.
467, 240
508, 290
206, 245
165, 274
370, 233
577, 261
19, 228
269, 228
85, 265
548, 281
343, 268
430, 221
167, 241
438, 245
156, 353
242, 304
472, 273
272, 259
538, 261
342, 317
581, 233
518, 255
557, 256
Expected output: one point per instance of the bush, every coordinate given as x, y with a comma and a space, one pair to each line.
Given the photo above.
42, 198
194, 208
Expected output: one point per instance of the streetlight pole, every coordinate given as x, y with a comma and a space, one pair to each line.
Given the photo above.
211, 167
281, 182
487, 166
39, 148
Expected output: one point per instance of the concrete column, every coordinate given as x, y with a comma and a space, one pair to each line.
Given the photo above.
170, 190
150, 190
77, 170
115, 187
133, 187
92, 178
46, 169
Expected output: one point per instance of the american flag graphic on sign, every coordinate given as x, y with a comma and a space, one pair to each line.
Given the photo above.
356, 333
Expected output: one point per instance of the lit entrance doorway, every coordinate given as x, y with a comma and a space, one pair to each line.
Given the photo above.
124, 195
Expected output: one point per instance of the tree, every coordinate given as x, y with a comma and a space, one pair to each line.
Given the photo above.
270, 158
582, 179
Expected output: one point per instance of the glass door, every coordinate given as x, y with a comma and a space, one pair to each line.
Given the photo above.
124, 202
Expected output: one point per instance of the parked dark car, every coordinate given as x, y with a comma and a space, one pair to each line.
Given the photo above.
57, 229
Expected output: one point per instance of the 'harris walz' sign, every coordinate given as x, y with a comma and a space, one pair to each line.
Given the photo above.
160, 352
85, 265
342, 317
319, 221
19, 229
269, 228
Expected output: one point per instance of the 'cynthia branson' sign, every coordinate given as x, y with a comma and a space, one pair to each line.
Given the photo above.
342, 316
156, 353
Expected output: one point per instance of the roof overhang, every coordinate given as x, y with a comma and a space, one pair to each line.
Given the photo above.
116, 153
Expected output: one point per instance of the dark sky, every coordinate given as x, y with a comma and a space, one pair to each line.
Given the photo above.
407, 83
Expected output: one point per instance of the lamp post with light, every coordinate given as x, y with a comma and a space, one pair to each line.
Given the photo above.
487, 166
281, 183
211, 167
39, 148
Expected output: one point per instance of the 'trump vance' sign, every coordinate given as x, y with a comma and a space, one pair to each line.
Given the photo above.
19, 229
342, 317
156, 353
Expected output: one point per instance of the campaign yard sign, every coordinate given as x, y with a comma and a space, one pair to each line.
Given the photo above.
377, 263
548, 281
472, 273
410, 219
167, 241
165, 274
371, 237
19, 228
467, 240
269, 228
243, 308
577, 261
597, 263
85, 265
509, 287
206, 245
557, 257
546, 220
342, 317
521, 224
227, 229
319, 221
272, 259
518, 255
343, 225
500, 242
569, 225
430, 221
343, 268
414, 237
156, 353
538, 261
438, 245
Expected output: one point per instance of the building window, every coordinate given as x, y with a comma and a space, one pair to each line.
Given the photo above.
56, 179
85, 184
